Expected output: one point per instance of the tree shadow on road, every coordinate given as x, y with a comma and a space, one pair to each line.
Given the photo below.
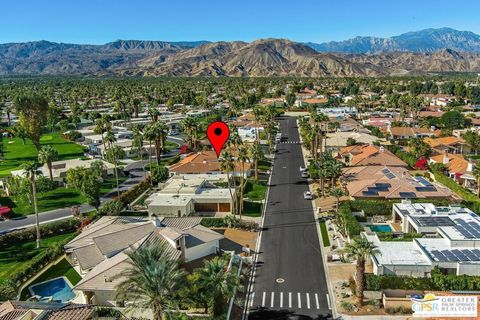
267, 314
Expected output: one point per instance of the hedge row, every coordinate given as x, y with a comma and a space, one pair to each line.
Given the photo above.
135, 192
352, 225
213, 223
437, 281
46, 230
9, 288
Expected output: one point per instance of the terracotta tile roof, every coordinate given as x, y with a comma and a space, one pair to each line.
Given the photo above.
361, 155
388, 182
201, 162
316, 100
455, 162
447, 141
77, 312
435, 114
408, 131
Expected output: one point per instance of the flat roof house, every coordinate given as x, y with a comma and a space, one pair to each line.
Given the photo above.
99, 252
451, 242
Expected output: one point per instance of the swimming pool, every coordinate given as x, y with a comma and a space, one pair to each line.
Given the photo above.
59, 289
380, 227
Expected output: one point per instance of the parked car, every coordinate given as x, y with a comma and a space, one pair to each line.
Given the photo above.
304, 174
307, 195
302, 168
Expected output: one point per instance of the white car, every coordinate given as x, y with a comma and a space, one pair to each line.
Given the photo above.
304, 174
307, 195
302, 169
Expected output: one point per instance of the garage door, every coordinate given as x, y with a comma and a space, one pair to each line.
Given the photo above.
206, 207
224, 207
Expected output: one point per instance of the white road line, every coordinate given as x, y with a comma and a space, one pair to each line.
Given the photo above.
299, 300
281, 299
328, 302
289, 299
308, 300
271, 302
263, 299
251, 299
316, 301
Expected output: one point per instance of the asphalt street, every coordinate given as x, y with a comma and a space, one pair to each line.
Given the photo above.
289, 281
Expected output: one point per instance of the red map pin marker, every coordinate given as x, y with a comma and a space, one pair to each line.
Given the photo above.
218, 133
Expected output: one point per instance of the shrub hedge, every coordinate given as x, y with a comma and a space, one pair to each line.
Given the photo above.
352, 225
46, 230
135, 192
437, 281
213, 223
9, 288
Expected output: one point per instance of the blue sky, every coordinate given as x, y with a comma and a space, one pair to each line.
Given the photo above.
101, 21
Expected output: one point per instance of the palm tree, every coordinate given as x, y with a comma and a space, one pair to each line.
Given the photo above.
30, 170
476, 173
242, 157
138, 143
227, 165
48, 154
160, 133
256, 154
190, 127
337, 193
149, 134
151, 280
101, 126
360, 249
219, 282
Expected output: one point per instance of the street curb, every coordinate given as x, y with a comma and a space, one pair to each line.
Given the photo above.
246, 310
332, 302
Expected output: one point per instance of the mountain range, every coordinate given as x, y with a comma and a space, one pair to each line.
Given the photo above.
421, 52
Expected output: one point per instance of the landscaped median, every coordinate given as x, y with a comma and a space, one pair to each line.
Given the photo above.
323, 229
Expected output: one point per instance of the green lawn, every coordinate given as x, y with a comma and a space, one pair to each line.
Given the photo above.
62, 268
323, 229
16, 153
55, 199
252, 209
264, 165
110, 183
20, 254
255, 190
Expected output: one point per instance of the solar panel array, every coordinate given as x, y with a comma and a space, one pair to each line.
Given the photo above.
388, 173
456, 255
470, 230
434, 221
407, 195
423, 181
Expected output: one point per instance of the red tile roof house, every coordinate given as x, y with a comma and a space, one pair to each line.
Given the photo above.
388, 182
368, 155
404, 133
459, 169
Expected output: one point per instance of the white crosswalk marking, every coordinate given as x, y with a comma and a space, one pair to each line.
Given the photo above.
315, 303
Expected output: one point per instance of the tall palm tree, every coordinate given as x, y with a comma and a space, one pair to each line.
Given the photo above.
190, 127
476, 173
138, 143
151, 280
219, 282
149, 134
256, 154
227, 165
337, 193
48, 154
242, 157
30, 171
160, 132
360, 249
